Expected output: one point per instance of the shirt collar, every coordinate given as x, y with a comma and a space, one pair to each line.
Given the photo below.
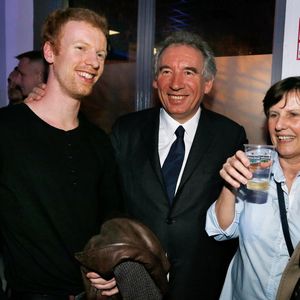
277, 172
169, 125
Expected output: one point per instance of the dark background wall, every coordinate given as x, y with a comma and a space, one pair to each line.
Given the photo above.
41, 10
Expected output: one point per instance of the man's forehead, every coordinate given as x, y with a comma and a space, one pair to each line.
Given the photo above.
23, 62
27, 66
13, 73
181, 51
184, 56
80, 31
71, 24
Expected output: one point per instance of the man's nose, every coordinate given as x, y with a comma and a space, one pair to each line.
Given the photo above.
92, 59
177, 81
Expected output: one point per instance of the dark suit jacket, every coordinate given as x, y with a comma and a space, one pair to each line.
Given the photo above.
198, 262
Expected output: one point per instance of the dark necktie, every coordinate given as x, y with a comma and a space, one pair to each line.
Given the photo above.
172, 165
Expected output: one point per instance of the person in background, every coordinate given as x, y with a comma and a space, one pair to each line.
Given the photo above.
14, 92
257, 266
57, 170
31, 70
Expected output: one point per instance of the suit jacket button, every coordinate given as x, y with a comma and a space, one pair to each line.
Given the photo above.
170, 221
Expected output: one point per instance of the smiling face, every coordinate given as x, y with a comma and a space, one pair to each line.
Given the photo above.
180, 83
79, 61
284, 126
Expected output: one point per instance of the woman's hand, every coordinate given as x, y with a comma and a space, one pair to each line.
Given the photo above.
235, 171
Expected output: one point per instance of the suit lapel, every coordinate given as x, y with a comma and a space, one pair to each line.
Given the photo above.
150, 141
203, 138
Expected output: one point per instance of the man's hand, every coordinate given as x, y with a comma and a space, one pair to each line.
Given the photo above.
107, 287
37, 93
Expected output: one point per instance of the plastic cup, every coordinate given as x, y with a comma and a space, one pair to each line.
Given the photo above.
261, 159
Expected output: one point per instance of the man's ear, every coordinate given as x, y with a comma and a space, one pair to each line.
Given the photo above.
208, 86
154, 83
48, 52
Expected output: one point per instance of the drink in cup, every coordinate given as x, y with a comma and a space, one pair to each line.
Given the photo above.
261, 159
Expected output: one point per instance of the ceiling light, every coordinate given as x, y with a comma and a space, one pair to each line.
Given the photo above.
113, 32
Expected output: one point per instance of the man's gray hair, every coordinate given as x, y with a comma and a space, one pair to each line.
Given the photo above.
193, 40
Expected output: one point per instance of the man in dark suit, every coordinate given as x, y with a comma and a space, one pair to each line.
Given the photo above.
184, 73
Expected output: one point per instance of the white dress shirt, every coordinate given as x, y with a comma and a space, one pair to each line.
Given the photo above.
166, 137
